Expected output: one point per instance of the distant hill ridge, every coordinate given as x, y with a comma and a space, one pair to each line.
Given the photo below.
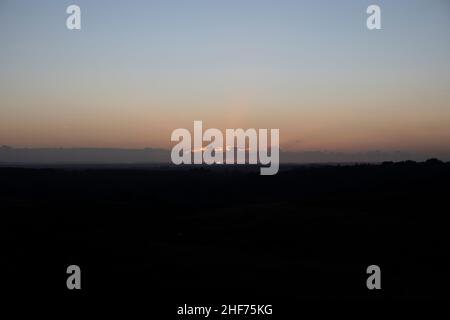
82, 155
156, 155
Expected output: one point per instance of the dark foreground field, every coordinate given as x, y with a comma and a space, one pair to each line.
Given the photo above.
228, 235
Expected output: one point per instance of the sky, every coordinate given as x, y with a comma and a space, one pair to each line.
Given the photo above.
137, 70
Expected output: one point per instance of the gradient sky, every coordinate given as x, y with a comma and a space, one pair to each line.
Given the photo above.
140, 69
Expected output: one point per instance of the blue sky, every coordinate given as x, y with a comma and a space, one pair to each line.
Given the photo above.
139, 69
